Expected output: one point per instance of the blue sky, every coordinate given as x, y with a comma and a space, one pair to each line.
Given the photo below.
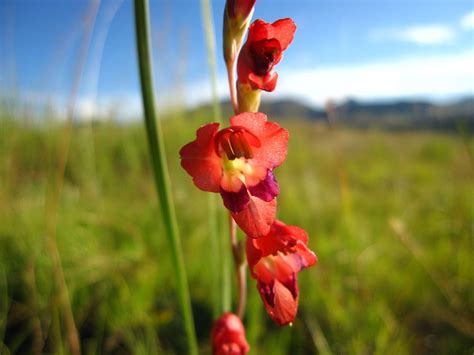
371, 49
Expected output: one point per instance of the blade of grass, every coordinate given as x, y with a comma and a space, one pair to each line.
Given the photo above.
160, 168
4, 302
54, 189
317, 335
220, 276
208, 22
254, 323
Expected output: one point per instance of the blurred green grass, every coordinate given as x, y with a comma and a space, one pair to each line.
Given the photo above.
390, 216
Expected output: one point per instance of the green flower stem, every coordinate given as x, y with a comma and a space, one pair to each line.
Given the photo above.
160, 169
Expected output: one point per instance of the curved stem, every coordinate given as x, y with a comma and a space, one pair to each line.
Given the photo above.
160, 168
239, 264
232, 83
242, 282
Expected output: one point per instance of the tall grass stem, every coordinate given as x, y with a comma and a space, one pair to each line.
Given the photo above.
160, 169
54, 188
208, 22
218, 275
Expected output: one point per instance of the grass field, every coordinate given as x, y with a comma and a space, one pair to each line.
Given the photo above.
390, 216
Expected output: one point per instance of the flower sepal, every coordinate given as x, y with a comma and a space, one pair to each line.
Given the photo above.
248, 97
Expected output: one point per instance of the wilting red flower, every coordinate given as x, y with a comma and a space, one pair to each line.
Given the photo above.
274, 260
238, 162
228, 336
262, 51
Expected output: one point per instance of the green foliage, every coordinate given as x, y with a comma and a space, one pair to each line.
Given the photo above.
390, 216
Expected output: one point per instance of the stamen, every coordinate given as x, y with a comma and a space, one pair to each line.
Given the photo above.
236, 142
228, 149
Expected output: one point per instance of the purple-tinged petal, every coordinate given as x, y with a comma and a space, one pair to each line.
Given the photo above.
267, 189
235, 201
267, 293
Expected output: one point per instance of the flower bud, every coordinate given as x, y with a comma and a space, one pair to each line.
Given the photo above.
237, 15
228, 336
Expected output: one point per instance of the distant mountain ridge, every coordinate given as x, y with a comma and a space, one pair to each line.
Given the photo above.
401, 114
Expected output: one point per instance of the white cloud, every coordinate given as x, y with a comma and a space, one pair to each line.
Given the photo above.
467, 21
86, 107
421, 35
430, 76
200, 92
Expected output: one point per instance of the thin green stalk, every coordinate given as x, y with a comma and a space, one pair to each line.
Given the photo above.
226, 271
55, 186
160, 169
221, 276
216, 273
208, 22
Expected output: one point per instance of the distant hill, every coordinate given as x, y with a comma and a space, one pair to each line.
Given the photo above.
396, 114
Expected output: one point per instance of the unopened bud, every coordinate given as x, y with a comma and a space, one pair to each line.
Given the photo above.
228, 336
237, 15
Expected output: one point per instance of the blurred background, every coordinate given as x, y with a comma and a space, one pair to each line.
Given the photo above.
378, 97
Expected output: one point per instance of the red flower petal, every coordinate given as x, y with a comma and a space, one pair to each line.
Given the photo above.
267, 82
286, 305
273, 138
200, 160
279, 302
256, 218
283, 30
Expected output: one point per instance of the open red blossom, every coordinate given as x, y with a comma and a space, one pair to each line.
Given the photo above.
274, 261
228, 336
238, 162
262, 51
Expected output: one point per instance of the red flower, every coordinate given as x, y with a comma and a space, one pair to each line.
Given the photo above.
262, 51
238, 162
275, 260
228, 336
